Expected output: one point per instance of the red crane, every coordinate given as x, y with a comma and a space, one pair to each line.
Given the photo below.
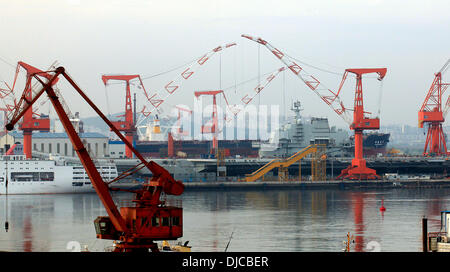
29, 122
179, 129
213, 127
433, 114
136, 227
128, 124
358, 169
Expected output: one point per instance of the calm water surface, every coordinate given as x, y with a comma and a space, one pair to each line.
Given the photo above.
272, 220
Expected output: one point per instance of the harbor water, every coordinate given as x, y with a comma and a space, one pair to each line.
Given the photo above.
245, 220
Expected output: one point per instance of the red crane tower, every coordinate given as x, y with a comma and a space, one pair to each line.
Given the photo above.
29, 122
212, 128
433, 114
358, 169
127, 125
180, 132
135, 227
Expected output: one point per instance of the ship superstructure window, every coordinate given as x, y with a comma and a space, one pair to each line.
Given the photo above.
32, 176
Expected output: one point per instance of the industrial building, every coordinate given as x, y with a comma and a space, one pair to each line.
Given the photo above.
59, 143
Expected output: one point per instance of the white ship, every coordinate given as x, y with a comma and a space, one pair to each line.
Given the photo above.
19, 175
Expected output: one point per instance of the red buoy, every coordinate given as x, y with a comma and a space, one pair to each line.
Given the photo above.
382, 208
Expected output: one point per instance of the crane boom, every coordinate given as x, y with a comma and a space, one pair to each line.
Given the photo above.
331, 98
158, 98
246, 99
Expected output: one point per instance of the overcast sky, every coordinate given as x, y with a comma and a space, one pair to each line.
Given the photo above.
90, 38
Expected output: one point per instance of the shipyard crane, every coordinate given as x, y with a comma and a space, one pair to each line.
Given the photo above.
128, 124
29, 122
135, 227
212, 128
433, 114
359, 123
180, 132
158, 98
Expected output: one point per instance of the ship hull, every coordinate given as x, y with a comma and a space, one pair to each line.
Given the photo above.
197, 149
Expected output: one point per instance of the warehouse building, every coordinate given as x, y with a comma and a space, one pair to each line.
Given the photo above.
59, 143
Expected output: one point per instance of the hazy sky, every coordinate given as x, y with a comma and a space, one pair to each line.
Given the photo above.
90, 38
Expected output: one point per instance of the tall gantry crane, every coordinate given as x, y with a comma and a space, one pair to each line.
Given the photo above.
30, 122
180, 132
212, 128
359, 123
136, 227
433, 114
127, 125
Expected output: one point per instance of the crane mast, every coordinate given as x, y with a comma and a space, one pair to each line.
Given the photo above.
212, 128
359, 123
180, 132
29, 122
135, 228
358, 168
128, 124
432, 113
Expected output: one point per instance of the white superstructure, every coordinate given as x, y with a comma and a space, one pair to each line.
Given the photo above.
19, 175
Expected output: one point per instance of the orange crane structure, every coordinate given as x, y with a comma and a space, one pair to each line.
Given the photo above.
359, 123
135, 227
432, 113
127, 125
180, 132
29, 122
212, 128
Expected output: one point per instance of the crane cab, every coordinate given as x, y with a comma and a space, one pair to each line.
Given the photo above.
156, 223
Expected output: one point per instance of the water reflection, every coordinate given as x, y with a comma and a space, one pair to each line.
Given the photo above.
283, 220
